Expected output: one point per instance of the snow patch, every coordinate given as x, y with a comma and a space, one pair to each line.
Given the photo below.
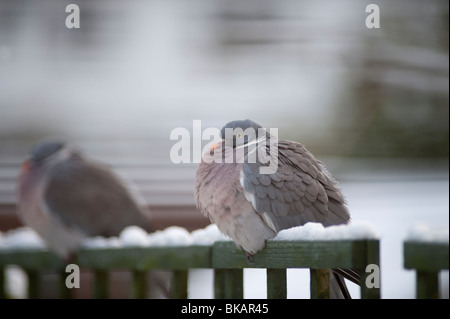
133, 236
425, 233
21, 238
101, 242
316, 231
171, 236
208, 235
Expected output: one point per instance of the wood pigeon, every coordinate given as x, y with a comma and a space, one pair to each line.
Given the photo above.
251, 206
66, 198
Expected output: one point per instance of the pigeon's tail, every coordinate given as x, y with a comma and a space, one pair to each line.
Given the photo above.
338, 288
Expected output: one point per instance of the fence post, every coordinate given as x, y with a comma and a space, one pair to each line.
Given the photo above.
372, 256
427, 259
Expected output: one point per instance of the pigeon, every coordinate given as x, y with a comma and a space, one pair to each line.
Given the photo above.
67, 198
251, 205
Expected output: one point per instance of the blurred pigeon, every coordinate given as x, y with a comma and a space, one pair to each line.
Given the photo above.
66, 198
251, 207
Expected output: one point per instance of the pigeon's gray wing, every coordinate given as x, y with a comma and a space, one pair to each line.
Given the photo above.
88, 197
300, 191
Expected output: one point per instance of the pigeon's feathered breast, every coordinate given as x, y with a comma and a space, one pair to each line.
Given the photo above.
220, 196
217, 184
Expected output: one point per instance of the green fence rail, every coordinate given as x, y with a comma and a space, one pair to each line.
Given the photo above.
427, 259
224, 258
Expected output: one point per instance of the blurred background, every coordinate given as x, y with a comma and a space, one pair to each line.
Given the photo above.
373, 104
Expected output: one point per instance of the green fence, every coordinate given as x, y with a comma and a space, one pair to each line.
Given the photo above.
224, 258
427, 259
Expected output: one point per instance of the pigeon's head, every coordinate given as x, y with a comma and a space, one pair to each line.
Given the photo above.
239, 133
43, 152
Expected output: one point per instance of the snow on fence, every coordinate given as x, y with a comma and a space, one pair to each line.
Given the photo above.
426, 251
176, 250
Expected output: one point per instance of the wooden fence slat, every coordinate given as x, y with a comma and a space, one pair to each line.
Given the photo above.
290, 254
179, 289
234, 284
276, 283
219, 283
427, 285
228, 283
65, 293
425, 256
2, 282
30, 259
33, 283
170, 258
139, 284
320, 283
101, 284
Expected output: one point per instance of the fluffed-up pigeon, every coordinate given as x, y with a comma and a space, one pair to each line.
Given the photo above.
67, 198
251, 205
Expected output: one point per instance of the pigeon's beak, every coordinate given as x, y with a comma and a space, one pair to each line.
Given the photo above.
25, 167
215, 147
